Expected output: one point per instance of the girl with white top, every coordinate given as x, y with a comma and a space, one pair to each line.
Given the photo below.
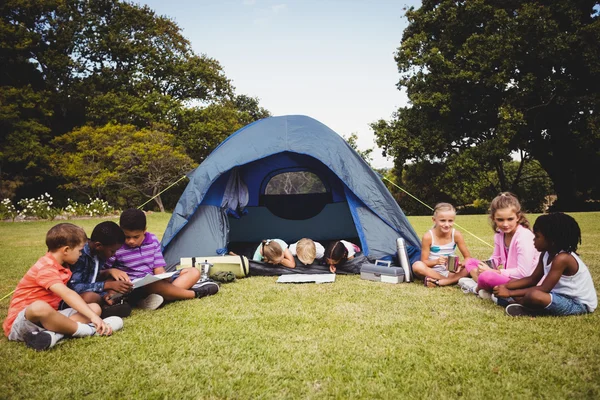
438, 243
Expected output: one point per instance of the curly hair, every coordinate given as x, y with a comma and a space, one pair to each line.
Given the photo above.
560, 230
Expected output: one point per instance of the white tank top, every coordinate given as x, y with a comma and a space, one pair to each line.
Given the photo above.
435, 251
579, 286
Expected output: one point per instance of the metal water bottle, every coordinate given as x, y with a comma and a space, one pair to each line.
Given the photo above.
403, 259
204, 270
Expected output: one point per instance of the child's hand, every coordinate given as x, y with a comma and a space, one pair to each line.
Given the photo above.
443, 260
102, 328
118, 275
482, 267
501, 291
119, 286
332, 268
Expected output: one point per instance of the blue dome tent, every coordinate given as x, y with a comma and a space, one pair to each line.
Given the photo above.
285, 177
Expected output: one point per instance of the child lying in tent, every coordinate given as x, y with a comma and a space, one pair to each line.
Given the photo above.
274, 251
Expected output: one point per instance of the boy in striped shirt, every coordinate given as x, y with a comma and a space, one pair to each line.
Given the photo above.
140, 255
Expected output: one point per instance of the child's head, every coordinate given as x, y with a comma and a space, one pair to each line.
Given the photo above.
443, 216
506, 214
556, 232
107, 238
133, 223
335, 253
67, 238
306, 250
272, 252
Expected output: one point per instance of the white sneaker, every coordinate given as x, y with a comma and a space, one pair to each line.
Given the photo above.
468, 285
494, 299
484, 294
115, 323
152, 302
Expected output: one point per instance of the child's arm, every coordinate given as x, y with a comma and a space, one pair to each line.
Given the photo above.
78, 304
288, 259
115, 273
520, 287
526, 253
425, 249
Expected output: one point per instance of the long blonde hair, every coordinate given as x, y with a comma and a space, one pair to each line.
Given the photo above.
507, 200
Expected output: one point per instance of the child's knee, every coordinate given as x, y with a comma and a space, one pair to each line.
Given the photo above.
38, 309
192, 272
95, 308
471, 264
419, 267
91, 297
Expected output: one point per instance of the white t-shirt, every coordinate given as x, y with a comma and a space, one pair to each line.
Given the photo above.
320, 250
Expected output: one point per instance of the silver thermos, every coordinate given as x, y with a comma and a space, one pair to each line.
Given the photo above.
403, 259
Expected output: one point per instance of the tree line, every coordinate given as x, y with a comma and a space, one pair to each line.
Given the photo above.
106, 99
503, 95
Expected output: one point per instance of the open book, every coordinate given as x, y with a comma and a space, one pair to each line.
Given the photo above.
148, 279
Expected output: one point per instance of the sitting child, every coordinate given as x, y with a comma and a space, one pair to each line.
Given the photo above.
94, 283
307, 250
566, 286
339, 252
33, 315
438, 244
274, 251
141, 256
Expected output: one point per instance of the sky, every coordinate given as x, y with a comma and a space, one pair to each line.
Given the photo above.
331, 60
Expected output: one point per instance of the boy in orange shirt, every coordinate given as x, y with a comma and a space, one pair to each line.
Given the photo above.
32, 314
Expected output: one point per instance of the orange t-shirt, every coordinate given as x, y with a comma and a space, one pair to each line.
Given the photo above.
35, 286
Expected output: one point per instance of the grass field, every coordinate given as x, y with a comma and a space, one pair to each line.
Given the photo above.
350, 339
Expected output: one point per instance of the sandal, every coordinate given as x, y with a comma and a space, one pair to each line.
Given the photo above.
428, 280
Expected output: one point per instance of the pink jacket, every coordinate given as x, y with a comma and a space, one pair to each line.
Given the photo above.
522, 257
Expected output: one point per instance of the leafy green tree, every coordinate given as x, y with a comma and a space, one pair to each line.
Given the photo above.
486, 78
201, 129
115, 159
67, 63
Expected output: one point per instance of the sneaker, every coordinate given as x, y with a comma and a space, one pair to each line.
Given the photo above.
517, 310
39, 340
206, 288
151, 302
122, 310
468, 285
116, 323
484, 294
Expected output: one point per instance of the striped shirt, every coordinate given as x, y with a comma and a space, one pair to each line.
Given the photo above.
140, 261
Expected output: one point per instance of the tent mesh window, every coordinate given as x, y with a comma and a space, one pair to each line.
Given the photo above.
295, 195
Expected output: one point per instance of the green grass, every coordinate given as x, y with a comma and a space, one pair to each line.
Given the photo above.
350, 339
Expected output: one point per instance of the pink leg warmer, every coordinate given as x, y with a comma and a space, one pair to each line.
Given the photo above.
471, 264
488, 279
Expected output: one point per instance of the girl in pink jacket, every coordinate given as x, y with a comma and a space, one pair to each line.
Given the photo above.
514, 255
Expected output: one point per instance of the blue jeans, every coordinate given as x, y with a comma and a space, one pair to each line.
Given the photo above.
564, 305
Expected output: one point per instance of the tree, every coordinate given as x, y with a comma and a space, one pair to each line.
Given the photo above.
67, 63
489, 78
105, 161
201, 129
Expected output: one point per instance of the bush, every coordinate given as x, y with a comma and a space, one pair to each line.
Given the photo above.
40, 208
7, 210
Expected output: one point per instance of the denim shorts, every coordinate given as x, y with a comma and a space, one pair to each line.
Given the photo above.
564, 305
